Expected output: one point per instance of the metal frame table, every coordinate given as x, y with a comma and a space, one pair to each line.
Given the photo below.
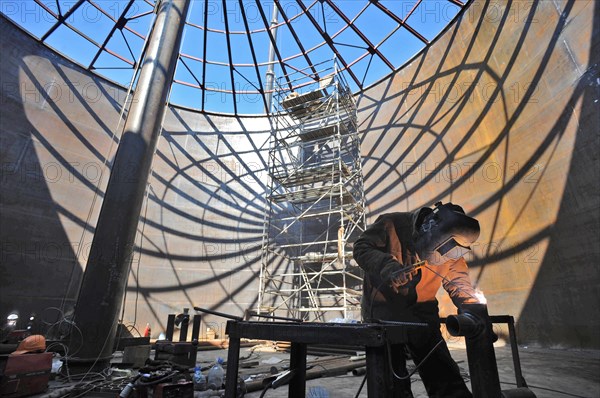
373, 336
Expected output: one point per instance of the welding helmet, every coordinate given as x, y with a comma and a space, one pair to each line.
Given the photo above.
444, 233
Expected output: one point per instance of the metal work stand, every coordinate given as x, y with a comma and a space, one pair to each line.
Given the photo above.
374, 337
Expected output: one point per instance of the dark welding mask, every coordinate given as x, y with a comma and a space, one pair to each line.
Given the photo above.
444, 233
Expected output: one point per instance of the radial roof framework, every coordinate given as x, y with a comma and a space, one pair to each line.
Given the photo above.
224, 57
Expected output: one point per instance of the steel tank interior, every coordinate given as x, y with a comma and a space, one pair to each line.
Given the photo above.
499, 115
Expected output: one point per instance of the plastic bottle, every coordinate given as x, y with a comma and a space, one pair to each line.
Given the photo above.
148, 331
199, 380
215, 375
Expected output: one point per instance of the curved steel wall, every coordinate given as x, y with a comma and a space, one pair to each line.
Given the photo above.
201, 225
201, 229
57, 139
500, 115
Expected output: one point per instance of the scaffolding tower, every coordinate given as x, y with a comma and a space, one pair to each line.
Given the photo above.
315, 205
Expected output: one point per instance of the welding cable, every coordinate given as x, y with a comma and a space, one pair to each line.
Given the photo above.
373, 301
362, 384
90, 389
62, 319
89, 386
278, 381
451, 282
131, 327
264, 391
62, 316
97, 376
65, 357
86, 387
137, 272
389, 355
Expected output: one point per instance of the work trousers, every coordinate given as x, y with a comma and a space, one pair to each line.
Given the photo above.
439, 372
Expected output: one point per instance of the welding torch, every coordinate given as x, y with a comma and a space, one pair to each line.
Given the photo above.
404, 275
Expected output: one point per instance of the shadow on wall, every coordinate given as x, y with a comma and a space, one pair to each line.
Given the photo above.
569, 280
56, 134
200, 229
491, 116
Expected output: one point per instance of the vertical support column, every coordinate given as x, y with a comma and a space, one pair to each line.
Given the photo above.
270, 78
105, 277
515, 352
183, 327
233, 359
474, 323
170, 327
196, 327
297, 387
378, 380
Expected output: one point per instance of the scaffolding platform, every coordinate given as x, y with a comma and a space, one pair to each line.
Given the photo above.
314, 194
315, 205
294, 100
310, 174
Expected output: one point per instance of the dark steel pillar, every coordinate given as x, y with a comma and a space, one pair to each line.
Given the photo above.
271, 68
105, 278
474, 323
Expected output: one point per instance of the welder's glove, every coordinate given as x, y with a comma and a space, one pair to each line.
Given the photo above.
394, 273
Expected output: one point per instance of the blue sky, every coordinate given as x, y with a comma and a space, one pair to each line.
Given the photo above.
86, 28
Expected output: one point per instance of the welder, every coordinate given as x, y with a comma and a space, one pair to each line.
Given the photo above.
406, 258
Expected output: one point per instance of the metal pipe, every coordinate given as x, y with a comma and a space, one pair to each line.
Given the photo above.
464, 324
217, 313
251, 314
196, 327
170, 327
105, 278
183, 327
270, 78
515, 353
